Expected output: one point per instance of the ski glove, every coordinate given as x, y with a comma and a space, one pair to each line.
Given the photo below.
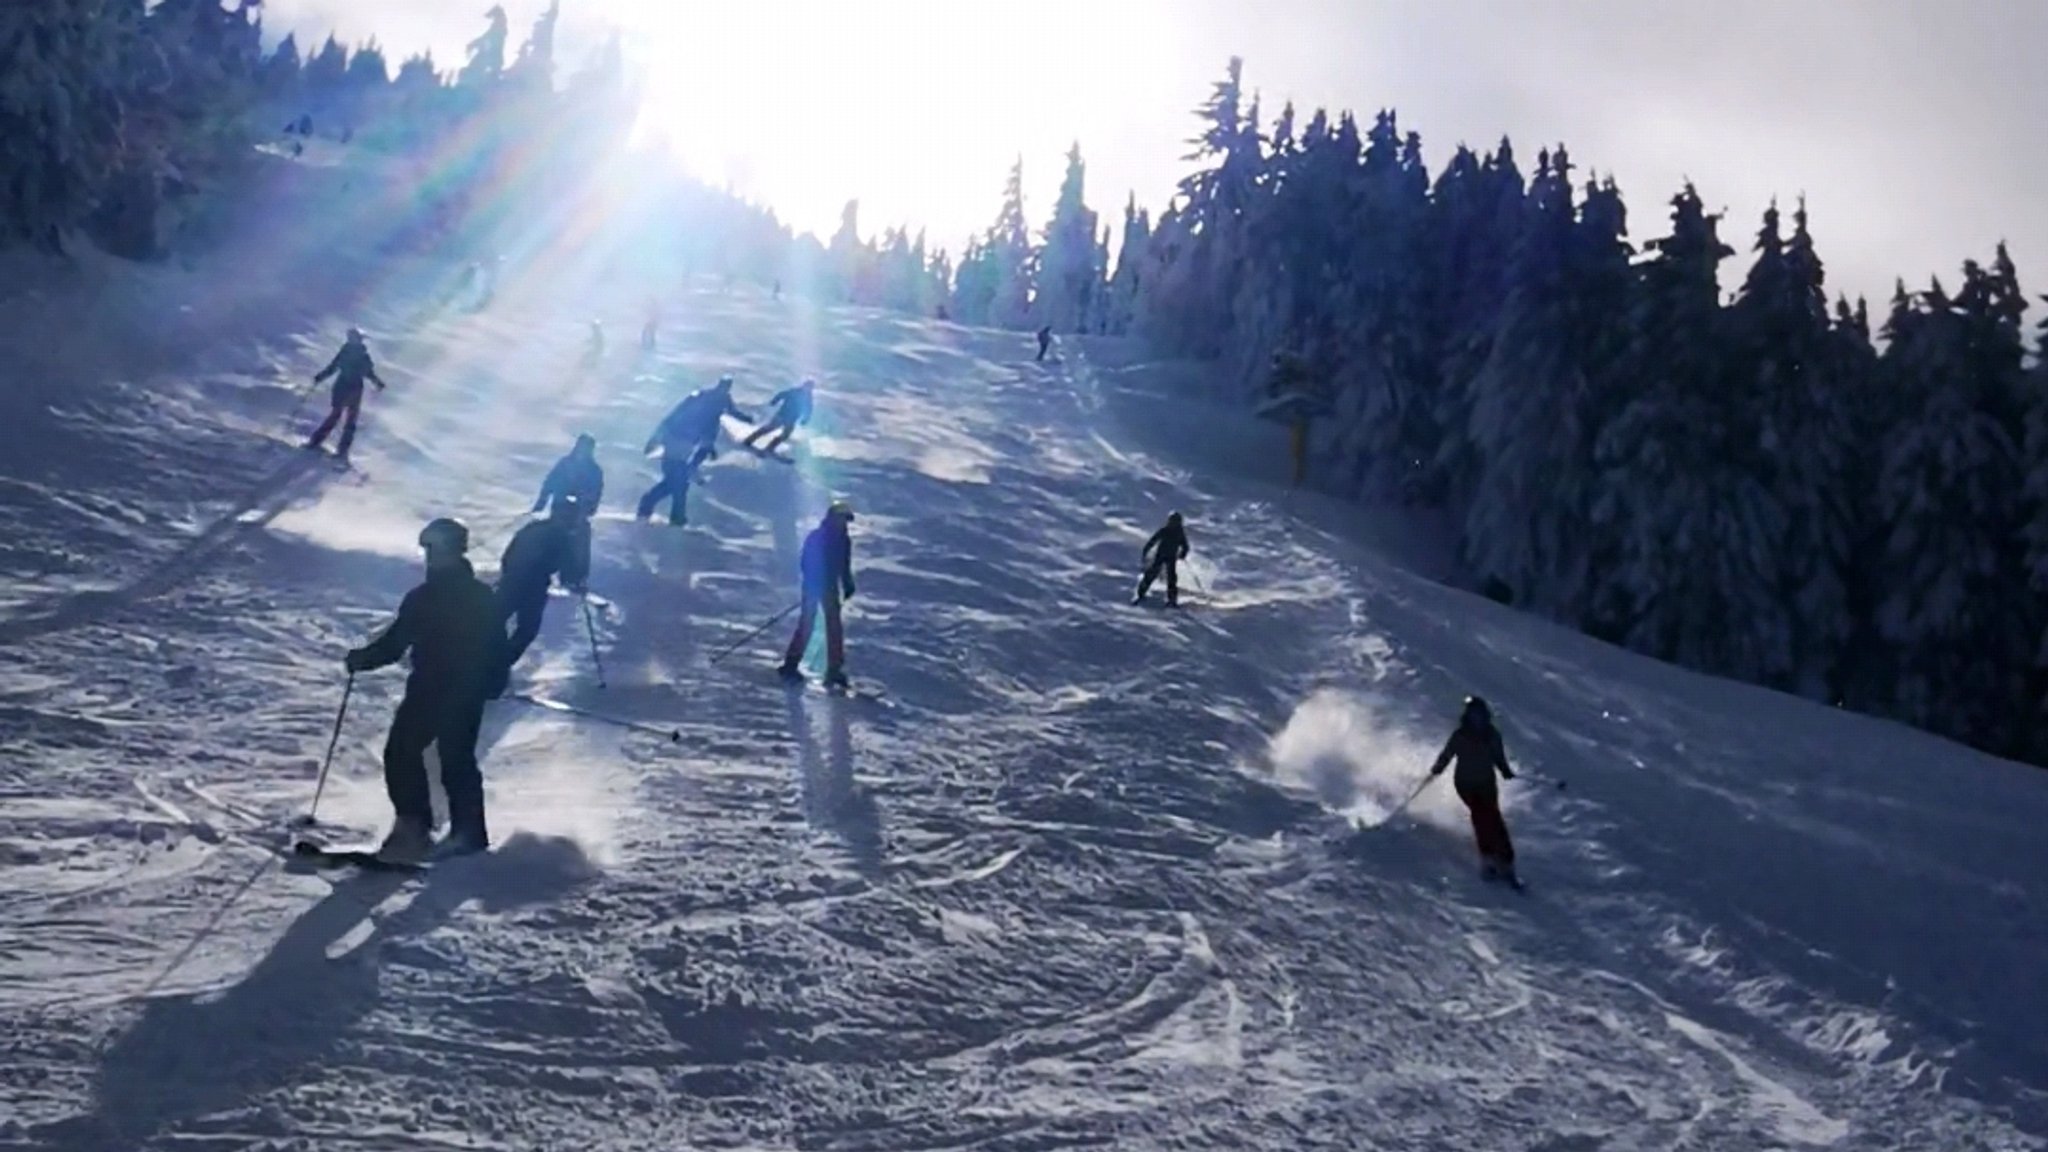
1506, 775
356, 660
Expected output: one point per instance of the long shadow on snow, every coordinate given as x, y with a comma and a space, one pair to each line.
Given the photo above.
832, 799
293, 477
190, 1057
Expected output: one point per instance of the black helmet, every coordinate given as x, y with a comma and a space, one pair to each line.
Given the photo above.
724, 383
586, 440
1173, 517
445, 533
1476, 708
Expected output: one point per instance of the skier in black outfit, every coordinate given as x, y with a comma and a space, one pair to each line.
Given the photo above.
792, 409
351, 368
539, 552
687, 437
576, 476
1163, 553
1477, 748
1044, 341
827, 572
451, 628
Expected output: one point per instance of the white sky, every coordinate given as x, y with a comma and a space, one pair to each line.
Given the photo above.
1911, 126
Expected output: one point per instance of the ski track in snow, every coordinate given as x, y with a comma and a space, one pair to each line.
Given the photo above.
1085, 880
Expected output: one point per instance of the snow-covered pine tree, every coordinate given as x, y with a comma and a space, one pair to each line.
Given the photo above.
1067, 265
61, 112
1121, 307
1950, 491
1539, 398
1681, 486
1787, 350
1474, 228
487, 52
1011, 256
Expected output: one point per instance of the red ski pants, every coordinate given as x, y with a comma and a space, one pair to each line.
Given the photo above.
1489, 831
827, 602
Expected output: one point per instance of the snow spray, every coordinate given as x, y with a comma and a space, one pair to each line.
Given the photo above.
1343, 750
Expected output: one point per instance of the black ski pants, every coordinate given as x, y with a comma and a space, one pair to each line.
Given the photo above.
347, 408
451, 723
1170, 565
523, 608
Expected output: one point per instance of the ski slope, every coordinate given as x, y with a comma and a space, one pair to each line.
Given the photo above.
1087, 878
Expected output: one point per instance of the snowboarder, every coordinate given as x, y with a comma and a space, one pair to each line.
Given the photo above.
351, 368
687, 437
652, 325
450, 626
792, 409
538, 553
1163, 553
827, 571
1044, 342
1477, 748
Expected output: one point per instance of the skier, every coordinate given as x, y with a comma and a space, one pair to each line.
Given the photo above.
351, 367
1044, 342
1476, 746
577, 474
827, 571
651, 326
687, 437
792, 408
593, 351
1163, 553
450, 626
538, 553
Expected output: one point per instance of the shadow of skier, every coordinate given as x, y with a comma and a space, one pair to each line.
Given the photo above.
199, 1054
833, 801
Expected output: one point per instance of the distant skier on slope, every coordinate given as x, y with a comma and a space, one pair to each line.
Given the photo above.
1044, 342
651, 326
351, 368
1163, 553
1476, 746
792, 409
593, 348
687, 437
538, 553
451, 628
827, 575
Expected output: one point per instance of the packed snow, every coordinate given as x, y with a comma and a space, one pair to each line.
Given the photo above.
1088, 874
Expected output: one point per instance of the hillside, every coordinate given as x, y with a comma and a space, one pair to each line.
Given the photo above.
1086, 878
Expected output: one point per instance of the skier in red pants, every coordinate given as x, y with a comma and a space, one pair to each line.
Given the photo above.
827, 578
1477, 747
351, 368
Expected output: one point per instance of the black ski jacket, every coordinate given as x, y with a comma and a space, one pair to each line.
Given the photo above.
451, 628
538, 553
350, 368
1170, 542
1477, 747
573, 475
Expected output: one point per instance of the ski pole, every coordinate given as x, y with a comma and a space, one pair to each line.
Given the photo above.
1403, 806
773, 621
672, 735
320, 786
299, 407
590, 629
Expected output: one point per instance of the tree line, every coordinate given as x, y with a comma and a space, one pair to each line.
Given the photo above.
1759, 487
1769, 487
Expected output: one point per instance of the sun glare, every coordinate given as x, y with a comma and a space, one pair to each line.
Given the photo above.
914, 107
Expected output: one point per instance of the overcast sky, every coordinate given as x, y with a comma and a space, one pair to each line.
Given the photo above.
1913, 127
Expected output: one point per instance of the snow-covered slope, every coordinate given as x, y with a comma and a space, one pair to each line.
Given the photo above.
1085, 878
